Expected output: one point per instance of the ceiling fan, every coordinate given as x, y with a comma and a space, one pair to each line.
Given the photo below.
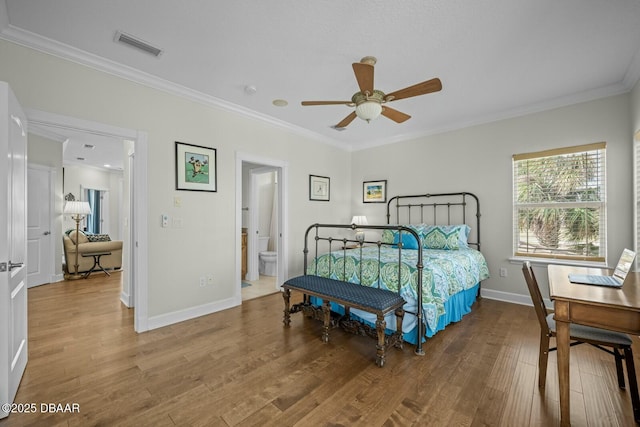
369, 101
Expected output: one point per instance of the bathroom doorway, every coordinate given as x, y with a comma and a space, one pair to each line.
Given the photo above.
262, 228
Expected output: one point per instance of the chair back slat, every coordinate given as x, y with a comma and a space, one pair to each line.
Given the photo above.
536, 296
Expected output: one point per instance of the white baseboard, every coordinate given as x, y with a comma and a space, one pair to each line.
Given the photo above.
125, 298
512, 298
167, 319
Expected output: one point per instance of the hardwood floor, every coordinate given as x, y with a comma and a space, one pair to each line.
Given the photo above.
241, 367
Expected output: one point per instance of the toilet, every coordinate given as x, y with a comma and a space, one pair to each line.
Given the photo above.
268, 260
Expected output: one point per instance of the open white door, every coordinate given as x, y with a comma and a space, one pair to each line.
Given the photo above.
13, 247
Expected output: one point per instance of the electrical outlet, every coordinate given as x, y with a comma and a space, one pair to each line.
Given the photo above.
210, 280
503, 272
203, 282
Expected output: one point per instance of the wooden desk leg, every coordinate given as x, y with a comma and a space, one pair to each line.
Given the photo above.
562, 341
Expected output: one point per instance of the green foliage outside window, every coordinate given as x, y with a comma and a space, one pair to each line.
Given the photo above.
559, 203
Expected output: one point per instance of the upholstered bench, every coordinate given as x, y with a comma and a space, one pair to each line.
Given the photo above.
350, 295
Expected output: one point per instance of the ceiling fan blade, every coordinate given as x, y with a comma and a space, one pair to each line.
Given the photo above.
433, 85
346, 120
325, 102
364, 75
394, 115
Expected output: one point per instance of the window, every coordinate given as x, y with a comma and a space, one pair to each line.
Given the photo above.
559, 203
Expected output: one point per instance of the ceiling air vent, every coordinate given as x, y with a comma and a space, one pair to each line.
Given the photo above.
137, 43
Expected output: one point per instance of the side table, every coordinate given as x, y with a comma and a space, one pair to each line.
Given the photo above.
96, 262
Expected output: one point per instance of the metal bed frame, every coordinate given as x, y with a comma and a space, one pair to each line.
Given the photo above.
430, 212
432, 209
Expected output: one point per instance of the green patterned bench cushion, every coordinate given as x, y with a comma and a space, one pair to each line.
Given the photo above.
351, 294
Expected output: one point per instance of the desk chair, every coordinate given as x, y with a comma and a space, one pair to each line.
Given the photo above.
600, 338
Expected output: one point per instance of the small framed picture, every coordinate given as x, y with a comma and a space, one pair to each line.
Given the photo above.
195, 168
319, 188
374, 191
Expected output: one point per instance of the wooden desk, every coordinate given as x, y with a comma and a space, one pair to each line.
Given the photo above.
598, 306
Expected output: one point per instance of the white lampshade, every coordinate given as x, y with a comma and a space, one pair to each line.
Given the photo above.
77, 208
368, 110
359, 220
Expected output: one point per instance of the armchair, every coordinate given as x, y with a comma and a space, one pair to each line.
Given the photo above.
85, 245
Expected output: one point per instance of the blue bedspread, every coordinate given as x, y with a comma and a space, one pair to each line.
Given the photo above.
446, 273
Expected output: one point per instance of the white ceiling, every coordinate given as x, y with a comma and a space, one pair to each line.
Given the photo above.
495, 58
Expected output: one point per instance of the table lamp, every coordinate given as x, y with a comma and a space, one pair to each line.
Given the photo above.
77, 210
359, 220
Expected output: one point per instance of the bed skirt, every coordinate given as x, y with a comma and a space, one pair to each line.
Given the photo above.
456, 307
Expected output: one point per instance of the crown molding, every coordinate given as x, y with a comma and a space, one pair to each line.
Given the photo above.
64, 51
560, 102
81, 57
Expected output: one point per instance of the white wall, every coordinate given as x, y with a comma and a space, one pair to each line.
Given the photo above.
206, 242
479, 160
266, 188
476, 159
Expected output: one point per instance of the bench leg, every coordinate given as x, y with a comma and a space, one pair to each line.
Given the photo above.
399, 319
326, 311
381, 325
287, 314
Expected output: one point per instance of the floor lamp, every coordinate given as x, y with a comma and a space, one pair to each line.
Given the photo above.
77, 210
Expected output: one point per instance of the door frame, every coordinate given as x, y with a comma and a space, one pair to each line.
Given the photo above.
138, 255
283, 197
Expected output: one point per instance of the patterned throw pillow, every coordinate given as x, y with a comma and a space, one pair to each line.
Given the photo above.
387, 236
98, 237
449, 237
408, 240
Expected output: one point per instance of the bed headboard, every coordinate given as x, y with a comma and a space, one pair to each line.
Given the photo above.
438, 209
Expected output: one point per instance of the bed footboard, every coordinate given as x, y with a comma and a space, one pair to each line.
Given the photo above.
319, 242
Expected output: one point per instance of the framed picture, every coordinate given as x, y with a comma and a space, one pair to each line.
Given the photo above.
195, 168
319, 188
374, 191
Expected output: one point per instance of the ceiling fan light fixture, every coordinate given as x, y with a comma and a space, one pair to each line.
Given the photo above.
368, 110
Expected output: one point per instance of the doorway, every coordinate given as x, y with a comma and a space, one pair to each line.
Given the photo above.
261, 194
135, 251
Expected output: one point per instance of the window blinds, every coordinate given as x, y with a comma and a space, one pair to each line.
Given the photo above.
560, 203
